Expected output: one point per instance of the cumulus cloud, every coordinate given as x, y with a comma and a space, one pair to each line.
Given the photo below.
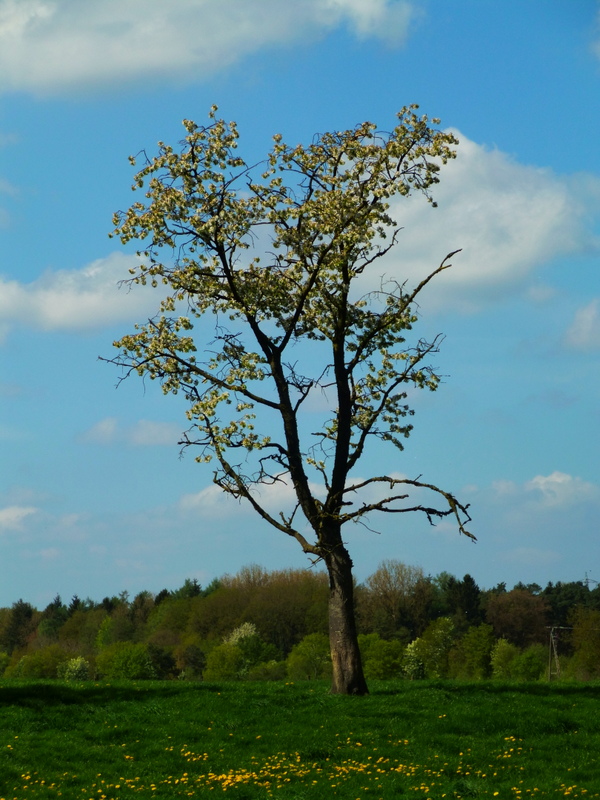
145, 433
276, 497
507, 217
562, 490
55, 45
12, 517
584, 332
76, 300
381, 19
553, 492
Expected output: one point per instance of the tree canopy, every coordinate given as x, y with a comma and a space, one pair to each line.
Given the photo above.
277, 253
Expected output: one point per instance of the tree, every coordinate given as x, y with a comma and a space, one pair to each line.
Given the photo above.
502, 658
464, 599
518, 616
395, 600
20, 625
586, 643
471, 656
293, 320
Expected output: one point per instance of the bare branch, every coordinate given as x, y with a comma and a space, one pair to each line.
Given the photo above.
455, 508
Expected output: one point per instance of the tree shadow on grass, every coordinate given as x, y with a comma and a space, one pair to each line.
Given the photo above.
491, 688
32, 694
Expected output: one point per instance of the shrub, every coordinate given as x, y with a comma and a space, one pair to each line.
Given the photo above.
125, 660
585, 664
224, 663
310, 659
503, 655
4, 662
531, 665
381, 659
254, 651
190, 660
427, 656
42, 663
268, 671
162, 661
471, 657
75, 669
413, 665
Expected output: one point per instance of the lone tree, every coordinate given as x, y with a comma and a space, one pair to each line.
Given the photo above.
276, 253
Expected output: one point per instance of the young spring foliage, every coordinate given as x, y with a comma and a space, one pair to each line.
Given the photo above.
325, 212
277, 253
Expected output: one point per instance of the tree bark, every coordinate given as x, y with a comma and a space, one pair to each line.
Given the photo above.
348, 677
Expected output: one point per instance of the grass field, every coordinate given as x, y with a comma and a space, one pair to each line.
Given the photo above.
259, 740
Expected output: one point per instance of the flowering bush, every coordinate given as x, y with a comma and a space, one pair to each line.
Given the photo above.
76, 669
430, 651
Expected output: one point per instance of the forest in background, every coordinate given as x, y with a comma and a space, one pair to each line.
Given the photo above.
261, 625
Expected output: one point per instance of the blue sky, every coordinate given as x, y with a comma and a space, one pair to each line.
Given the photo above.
94, 498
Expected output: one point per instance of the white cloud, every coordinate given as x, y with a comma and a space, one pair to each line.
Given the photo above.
562, 490
212, 499
49, 553
149, 433
102, 432
276, 497
381, 19
55, 45
584, 332
553, 491
12, 517
79, 300
145, 433
507, 217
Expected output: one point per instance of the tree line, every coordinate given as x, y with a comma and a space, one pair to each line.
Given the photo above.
274, 625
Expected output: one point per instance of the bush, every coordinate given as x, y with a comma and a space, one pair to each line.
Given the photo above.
4, 662
413, 665
125, 660
224, 663
585, 639
503, 655
190, 661
427, 656
75, 669
471, 657
310, 659
42, 663
381, 659
162, 661
530, 665
268, 671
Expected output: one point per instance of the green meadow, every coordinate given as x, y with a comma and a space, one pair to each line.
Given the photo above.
259, 740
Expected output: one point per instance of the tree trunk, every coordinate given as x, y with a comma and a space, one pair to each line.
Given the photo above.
348, 677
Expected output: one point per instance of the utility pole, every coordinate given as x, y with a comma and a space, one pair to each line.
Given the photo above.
553, 660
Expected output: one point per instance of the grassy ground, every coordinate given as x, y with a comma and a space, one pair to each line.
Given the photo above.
258, 740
